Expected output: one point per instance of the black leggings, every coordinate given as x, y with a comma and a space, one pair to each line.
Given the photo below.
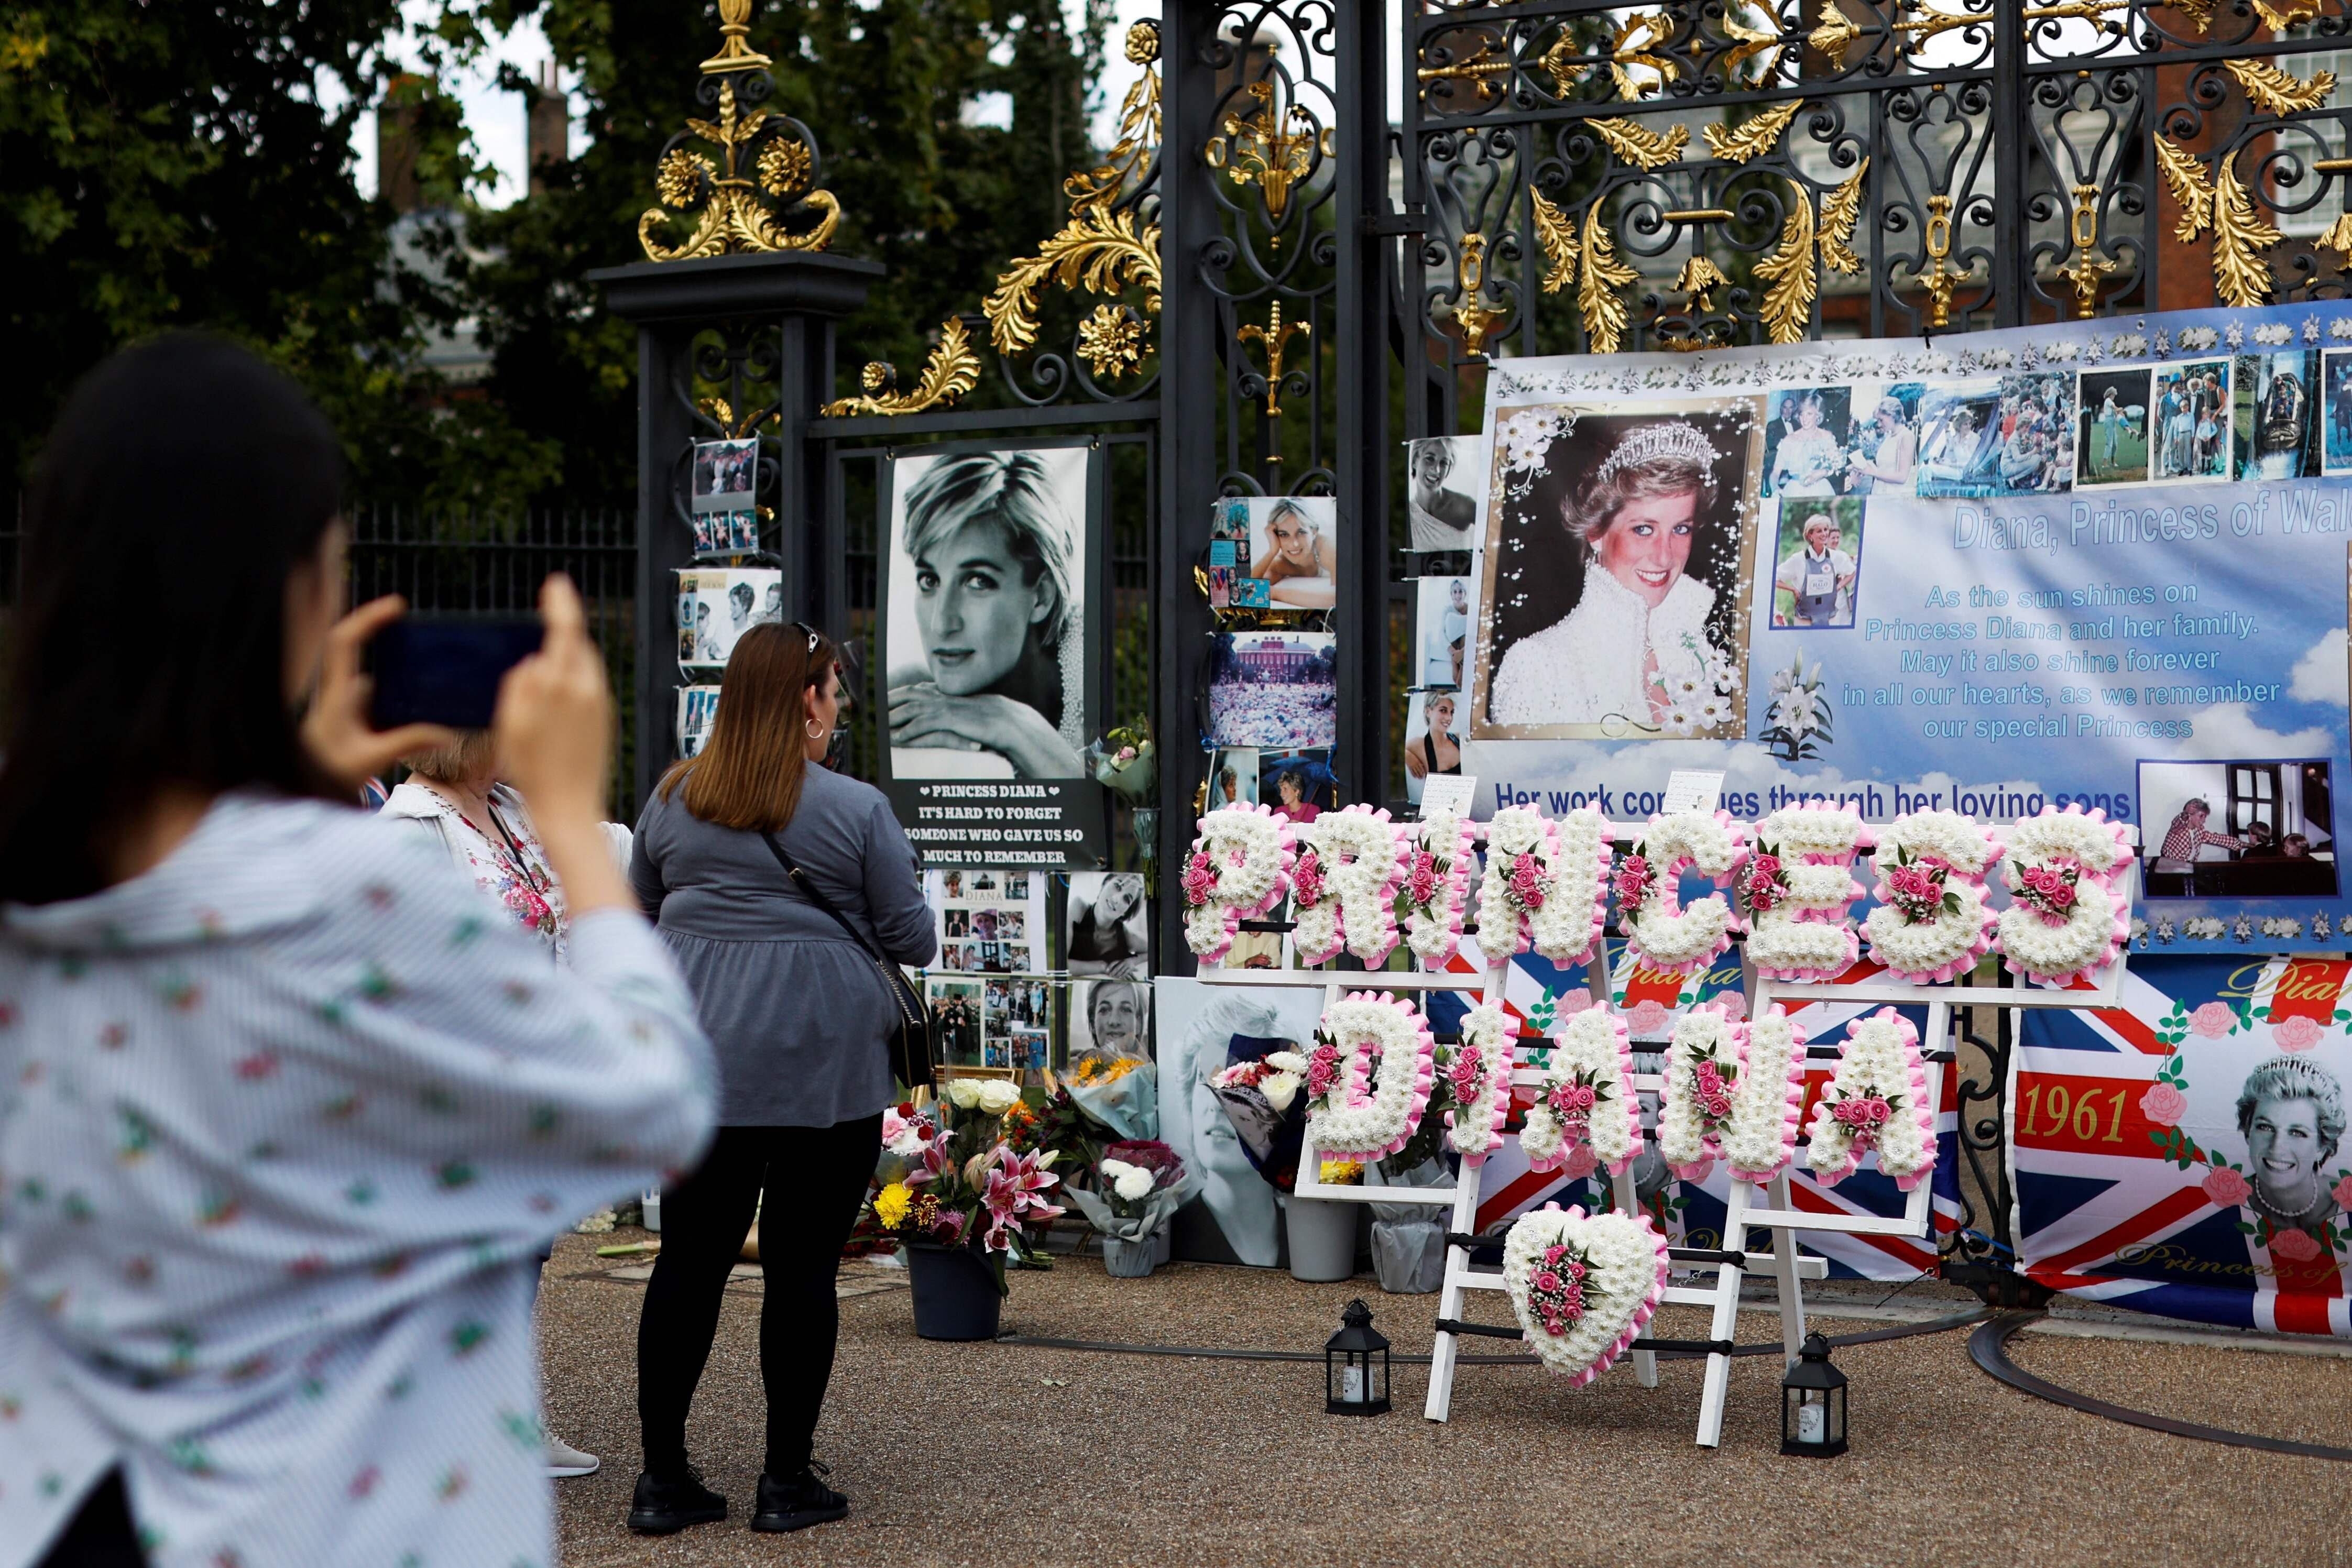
815, 1179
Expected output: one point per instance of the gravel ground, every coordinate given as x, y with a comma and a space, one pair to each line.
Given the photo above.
988, 1454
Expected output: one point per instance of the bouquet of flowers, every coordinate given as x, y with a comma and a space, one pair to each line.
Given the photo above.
1122, 1093
1142, 1183
1124, 762
965, 1185
1262, 1098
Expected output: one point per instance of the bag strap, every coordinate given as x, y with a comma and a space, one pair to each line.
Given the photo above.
900, 989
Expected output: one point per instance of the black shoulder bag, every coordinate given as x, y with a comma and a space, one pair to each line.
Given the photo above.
910, 1046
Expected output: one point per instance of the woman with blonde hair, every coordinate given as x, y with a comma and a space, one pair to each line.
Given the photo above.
1297, 561
781, 888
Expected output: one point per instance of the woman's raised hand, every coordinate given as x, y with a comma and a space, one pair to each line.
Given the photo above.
336, 730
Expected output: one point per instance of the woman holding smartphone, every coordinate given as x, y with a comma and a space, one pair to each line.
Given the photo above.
310, 1109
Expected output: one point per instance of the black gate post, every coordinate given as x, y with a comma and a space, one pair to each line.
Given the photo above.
772, 316
1360, 461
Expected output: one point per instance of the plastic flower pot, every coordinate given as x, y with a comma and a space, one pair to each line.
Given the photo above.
954, 1291
1130, 1259
1322, 1239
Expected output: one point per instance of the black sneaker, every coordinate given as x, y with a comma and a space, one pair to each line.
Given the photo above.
664, 1507
799, 1503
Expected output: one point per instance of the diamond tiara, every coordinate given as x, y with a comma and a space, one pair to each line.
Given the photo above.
1653, 442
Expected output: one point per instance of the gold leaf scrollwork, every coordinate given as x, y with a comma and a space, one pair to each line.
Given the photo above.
1557, 237
2338, 238
952, 370
1274, 337
2241, 274
1789, 303
2184, 176
2275, 91
2201, 12
1273, 154
1477, 317
758, 152
1634, 43
2088, 265
1697, 281
1597, 284
2279, 18
1840, 212
1751, 139
1833, 33
1639, 145
1102, 249
1748, 42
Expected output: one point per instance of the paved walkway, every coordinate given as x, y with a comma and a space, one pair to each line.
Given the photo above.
987, 1454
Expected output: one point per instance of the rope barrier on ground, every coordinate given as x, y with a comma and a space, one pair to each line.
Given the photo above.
1989, 1348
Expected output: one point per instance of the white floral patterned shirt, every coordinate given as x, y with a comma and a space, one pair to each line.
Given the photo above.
283, 1124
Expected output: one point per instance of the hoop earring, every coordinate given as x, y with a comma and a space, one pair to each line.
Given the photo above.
813, 730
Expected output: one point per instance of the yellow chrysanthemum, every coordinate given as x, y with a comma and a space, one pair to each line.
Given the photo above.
890, 1204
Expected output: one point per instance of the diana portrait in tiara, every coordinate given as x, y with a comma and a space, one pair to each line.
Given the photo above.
1636, 654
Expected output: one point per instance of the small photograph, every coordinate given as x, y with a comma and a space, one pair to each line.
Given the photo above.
744, 536
2006, 435
2240, 829
1817, 557
1225, 552
2275, 405
1274, 688
955, 1007
994, 1053
698, 708
724, 475
710, 533
1447, 492
1253, 593
986, 885
1230, 519
2335, 417
1016, 887
1298, 784
1431, 743
1295, 549
1232, 777
1221, 588
2192, 423
716, 604
1110, 1020
2113, 448
1882, 455
1254, 950
1446, 615
1107, 928
1000, 925
951, 959
956, 924
1025, 1050
1805, 448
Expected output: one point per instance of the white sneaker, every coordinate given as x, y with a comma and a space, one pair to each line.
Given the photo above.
563, 1460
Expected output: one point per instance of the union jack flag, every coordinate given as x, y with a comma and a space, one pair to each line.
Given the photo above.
2138, 1182
1535, 989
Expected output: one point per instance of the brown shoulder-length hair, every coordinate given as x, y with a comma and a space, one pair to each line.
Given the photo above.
748, 773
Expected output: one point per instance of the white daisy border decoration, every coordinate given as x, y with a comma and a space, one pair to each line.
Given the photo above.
1880, 1074
1932, 922
1239, 866
1350, 861
1592, 1050
1479, 1075
1623, 1260
1665, 935
1387, 1067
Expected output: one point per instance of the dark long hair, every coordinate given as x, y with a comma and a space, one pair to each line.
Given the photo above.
183, 481
749, 774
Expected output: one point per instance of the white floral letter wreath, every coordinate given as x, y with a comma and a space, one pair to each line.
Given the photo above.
1876, 1099
1706, 1060
2062, 921
1343, 886
1770, 1099
1582, 1285
1239, 866
1478, 1074
1546, 885
1352, 1116
1664, 935
1436, 879
1931, 922
1797, 889
1585, 1108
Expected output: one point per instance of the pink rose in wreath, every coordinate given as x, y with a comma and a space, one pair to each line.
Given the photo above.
2224, 1187
2295, 1246
2212, 1020
2163, 1104
2300, 1032
1579, 1163
1734, 1006
1648, 1017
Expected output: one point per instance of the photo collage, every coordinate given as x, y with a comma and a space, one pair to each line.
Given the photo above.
1006, 1000
1446, 498
725, 488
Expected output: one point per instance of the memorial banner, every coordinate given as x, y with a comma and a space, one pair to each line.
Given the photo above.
2183, 1152
2098, 562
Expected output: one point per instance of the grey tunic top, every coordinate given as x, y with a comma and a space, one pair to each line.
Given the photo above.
798, 1013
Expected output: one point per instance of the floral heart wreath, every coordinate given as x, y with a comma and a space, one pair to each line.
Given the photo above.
1931, 922
1582, 1285
1369, 1077
2063, 920
1876, 1099
1343, 885
1796, 889
1664, 935
1546, 884
1239, 866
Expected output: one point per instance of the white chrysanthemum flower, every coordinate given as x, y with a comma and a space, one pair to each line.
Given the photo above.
1880, 1059
1386, 1064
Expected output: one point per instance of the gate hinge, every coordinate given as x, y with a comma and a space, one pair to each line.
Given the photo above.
1413, 220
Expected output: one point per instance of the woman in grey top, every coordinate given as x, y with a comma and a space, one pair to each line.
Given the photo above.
799, 1015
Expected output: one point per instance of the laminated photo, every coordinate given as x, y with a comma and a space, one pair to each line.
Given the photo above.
1446, 615
1432, 740
1274, 688
717, 604
2276, 396
1447, 491
1110, 1020
1107, 925
698, 708
725, 474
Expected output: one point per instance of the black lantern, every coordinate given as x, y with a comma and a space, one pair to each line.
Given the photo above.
1812, 1404
1356, 1365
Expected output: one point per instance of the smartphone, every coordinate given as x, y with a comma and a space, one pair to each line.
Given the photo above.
446, 669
